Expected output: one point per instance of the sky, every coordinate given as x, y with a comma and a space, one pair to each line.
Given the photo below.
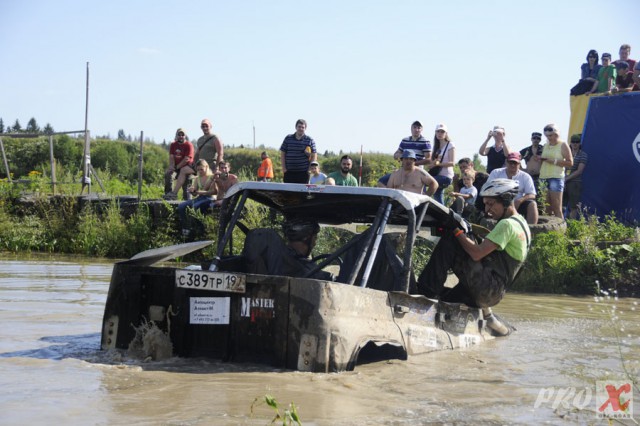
359, 72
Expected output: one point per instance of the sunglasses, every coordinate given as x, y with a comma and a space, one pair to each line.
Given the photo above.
440, 131
593, 57
549, 129
536, 138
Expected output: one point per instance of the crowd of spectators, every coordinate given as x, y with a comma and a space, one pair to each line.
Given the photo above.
555, 168
619, 76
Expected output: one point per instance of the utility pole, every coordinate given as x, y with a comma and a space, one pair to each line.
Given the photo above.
86, 162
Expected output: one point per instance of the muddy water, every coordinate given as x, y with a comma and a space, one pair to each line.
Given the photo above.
51, 371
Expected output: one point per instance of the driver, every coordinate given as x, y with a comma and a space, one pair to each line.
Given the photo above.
484, 270
301, 235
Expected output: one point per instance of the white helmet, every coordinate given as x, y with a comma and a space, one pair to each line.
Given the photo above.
505, 189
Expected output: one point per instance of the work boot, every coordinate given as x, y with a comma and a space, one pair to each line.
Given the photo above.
494, 323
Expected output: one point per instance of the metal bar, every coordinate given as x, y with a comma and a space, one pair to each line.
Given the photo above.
368, 240
229, 230
411, 237
335, 255
376, 244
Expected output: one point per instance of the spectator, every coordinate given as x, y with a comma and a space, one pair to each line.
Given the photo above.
265, 171
416, 143
223, 181
297, 152
316, 177
480, 178
412, 178
497, 154
344, 176
208, 147
606, 75
525, 200
531, 156
588, 75
624, 79
203, 189
444, 158
573, 181
466, 198
180, 155
383, 181
485, 270
556, 155
624, 52
636, 74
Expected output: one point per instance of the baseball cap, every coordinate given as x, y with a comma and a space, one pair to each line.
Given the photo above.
536, 135
514, 156
622, 64
407, 153
416, 123
606, 55
314, 163
498, 129
576, 138
441, 127
181, 130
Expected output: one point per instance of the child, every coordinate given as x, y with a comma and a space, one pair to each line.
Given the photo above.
468, 193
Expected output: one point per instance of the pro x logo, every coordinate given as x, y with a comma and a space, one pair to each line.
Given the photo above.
636, 147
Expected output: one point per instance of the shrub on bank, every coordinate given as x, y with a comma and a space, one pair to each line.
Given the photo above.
590, 250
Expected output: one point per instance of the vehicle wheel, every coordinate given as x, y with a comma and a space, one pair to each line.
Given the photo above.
545, 224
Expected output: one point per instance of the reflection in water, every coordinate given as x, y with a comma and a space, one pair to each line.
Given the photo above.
51, 312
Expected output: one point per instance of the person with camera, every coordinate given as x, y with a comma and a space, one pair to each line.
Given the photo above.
497, 154
487, 268
443, 160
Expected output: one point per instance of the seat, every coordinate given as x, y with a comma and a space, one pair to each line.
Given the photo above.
263, 252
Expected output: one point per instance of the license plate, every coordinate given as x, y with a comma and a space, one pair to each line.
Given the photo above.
213, 281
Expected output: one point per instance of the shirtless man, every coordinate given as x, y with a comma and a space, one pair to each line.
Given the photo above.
224, 181
412, 178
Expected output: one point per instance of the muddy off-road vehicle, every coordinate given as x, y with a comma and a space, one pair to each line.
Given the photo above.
237, 307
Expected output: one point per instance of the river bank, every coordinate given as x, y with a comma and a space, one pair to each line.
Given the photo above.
580, 260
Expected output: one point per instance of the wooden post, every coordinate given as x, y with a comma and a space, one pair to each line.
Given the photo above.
53, 165
6, 163
140, 165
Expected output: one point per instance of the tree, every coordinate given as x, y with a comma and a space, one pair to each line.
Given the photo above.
32, 126
121, 135
48, 130
1, 126
17, 128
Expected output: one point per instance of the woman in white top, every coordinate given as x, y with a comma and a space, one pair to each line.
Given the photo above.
444, 158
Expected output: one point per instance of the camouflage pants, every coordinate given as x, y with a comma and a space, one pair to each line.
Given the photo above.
481, 284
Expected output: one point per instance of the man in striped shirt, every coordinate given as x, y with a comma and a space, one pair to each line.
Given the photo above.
416, 143
297, 152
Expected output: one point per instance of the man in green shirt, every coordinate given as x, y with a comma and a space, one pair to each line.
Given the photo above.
485, 270
344, 176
